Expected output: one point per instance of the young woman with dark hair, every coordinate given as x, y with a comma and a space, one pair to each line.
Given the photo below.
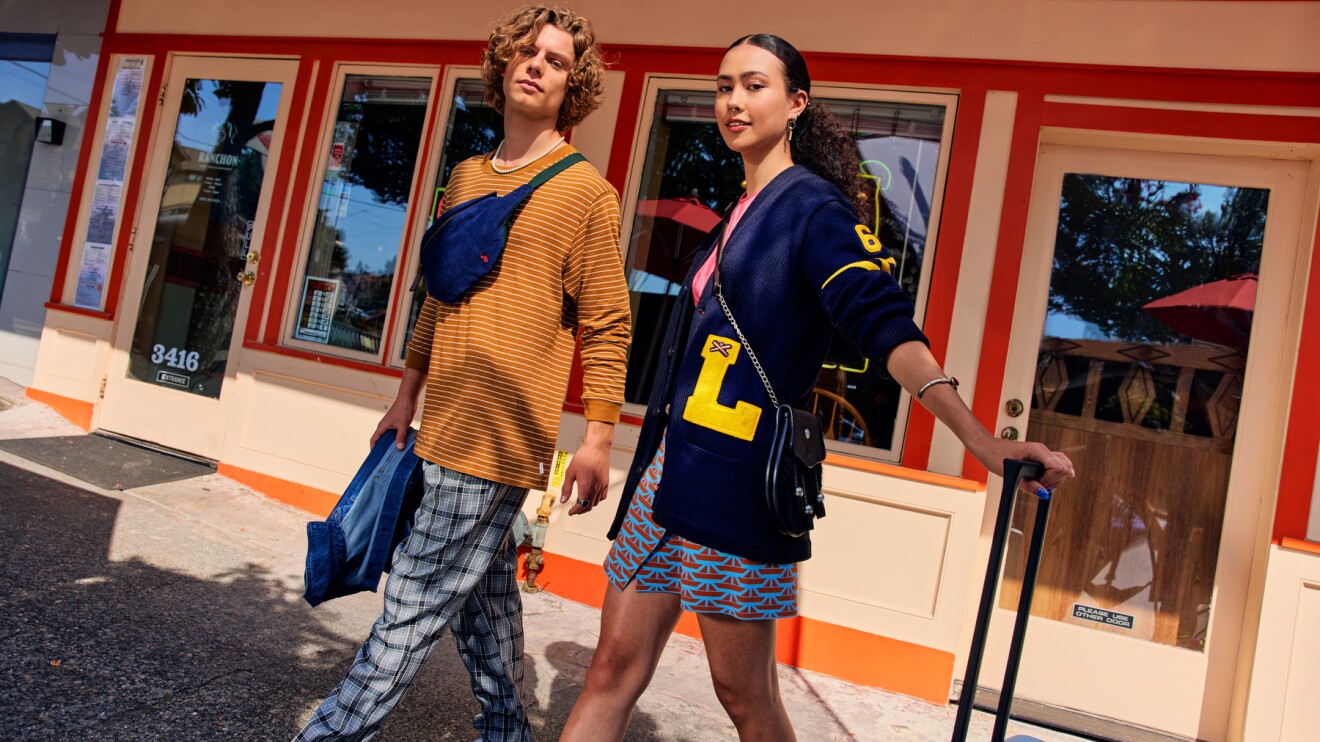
693, 531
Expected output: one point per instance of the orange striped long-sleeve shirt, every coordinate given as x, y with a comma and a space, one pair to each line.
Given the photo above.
497, 363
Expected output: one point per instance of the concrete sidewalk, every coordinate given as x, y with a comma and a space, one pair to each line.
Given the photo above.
174, 612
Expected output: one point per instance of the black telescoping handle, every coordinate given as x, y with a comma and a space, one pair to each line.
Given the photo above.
1014, 472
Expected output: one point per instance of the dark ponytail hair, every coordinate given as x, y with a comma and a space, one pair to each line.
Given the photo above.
819, 140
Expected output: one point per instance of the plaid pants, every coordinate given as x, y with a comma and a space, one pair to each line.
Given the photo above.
459, 564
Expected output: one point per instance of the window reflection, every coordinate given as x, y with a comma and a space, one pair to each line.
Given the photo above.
474, 128
690, 177
1139, 379
362, 211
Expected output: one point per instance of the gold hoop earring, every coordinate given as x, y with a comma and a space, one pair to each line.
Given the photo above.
792, 124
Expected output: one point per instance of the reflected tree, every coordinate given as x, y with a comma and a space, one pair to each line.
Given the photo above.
1124, 242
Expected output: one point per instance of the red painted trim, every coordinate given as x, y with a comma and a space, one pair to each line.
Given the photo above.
279, 192
80, 180
281, 350
1008, 261
134, 184
948, 256
55, 306
1218, 125
1302, 439
112, 17
299, 203
75, 411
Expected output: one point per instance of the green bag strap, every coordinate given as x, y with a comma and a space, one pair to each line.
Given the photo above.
555, 169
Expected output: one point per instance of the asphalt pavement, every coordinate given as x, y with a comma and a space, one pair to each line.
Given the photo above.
173, 612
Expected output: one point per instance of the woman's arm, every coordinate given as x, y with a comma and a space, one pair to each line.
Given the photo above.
912, 365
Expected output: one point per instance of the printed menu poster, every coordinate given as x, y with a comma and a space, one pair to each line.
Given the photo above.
318, 309
125, 97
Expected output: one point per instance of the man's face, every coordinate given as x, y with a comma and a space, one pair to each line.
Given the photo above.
536, 79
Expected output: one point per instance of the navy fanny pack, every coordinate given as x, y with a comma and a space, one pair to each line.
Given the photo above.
468, 239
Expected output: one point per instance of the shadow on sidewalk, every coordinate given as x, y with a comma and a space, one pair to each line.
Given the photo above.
126, 650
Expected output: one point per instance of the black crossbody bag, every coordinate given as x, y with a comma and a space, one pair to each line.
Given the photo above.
797, 452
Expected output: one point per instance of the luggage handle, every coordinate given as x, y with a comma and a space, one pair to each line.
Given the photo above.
1014, 472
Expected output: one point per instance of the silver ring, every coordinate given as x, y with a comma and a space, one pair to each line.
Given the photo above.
583, 503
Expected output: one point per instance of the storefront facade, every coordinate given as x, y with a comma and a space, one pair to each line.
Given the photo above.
1067, 192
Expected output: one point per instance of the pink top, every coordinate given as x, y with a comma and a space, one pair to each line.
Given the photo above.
707, 268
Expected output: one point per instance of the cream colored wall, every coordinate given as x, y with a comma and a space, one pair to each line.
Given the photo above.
303, 421
72, 355
1286, 673
1157, 33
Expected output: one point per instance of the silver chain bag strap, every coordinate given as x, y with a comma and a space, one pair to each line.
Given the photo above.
793, 469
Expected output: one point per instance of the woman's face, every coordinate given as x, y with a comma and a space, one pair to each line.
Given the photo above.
752, 101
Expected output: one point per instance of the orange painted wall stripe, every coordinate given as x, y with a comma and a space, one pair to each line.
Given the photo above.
848, 654
1296, 544
75, 411
315, 501
1008, 260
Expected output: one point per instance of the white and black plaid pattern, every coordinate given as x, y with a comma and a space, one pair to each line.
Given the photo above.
459, 564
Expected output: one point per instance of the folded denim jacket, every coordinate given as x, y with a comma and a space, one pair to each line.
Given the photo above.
348, 552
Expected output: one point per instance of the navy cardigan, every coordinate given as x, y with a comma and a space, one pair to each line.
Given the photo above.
797, 263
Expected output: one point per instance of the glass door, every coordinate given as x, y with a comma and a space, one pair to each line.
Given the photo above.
1149, 331
199, 251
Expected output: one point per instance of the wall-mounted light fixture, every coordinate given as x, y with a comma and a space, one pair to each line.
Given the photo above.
50, 131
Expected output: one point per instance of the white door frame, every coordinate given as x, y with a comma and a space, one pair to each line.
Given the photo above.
175, 418
1121, 677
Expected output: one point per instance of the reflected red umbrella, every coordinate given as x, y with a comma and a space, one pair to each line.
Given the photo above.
672, 230
687, 212
1216, 312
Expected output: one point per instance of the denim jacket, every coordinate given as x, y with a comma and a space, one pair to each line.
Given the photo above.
347, 552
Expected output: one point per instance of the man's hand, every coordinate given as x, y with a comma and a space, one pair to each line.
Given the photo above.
397, 418
400, 414
587, 480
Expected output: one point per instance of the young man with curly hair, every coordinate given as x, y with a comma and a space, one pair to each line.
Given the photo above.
495, 367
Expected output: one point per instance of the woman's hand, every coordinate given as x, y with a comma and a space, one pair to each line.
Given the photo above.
992, 451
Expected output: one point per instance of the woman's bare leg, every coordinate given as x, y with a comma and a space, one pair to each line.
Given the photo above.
634, 628
742, 665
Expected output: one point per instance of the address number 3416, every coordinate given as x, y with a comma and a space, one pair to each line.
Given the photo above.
179, 358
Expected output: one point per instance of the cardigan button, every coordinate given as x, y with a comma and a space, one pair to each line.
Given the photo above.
671, 351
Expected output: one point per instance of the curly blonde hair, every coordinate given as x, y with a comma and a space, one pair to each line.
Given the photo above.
586, 81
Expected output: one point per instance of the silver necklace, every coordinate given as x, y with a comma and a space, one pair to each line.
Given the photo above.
506, 171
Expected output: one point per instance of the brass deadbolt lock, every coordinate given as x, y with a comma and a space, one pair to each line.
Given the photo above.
253, 256
247, 278
1009, 434
1013, 407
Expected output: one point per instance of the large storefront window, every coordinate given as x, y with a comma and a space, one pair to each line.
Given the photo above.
360, 220
688, 179
473, 128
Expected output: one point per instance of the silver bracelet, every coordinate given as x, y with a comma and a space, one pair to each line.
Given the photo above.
944, 380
